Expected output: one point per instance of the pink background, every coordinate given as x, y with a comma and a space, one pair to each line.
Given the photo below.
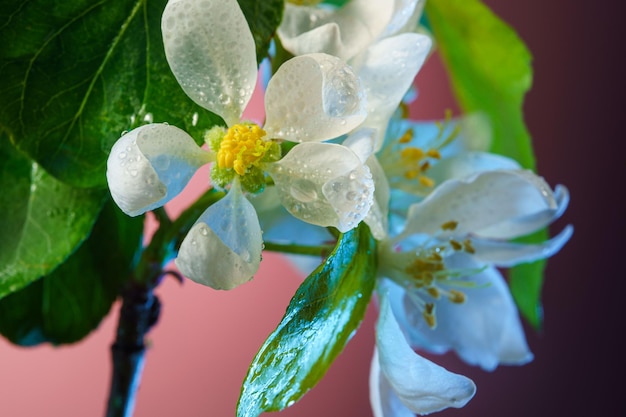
205, 339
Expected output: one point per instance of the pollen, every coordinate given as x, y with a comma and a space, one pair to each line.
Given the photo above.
456, 296
468, 247
426, 181
407, 137
450, 225
429, 315
243, 146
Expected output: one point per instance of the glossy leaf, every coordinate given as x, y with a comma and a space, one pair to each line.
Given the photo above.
43, 220
320, 319
66, 305
75, 74
263, 17
490, 69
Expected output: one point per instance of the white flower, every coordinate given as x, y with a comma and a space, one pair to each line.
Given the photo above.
346, 31
311, 98
403, 383
150, 165
450, 294
375, 37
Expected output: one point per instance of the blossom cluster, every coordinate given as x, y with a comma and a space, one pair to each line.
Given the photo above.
334, 151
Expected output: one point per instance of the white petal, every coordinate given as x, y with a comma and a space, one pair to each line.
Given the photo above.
361, 142
422, 386
377, 217
223, 248
211, 52
485, 330
278, 227
384, 402
324, 184
150, 165
468, 163
342, 33
492, 204
313, 98
507, 254
405, 16
387, 70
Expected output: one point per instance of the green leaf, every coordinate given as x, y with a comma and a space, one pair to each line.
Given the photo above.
43, 220
263, 17
75, 74
320, 319
66, 305
526, 282
490, 69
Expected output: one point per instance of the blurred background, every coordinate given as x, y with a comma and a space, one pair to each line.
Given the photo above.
205, 339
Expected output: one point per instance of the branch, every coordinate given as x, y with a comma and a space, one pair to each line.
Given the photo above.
139, 312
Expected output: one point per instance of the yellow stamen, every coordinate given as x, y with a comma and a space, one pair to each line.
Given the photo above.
407, 137
242, 147
468, 247
411, 174
434, 153
426, 182
433, 292
456, 297
456, 245
429, 315
412, 154
304, 2
450, 225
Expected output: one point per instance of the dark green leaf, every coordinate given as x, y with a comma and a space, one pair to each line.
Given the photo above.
263, 17
320, 319
66, 305
75, 74
491, 72
490, 69
43, 220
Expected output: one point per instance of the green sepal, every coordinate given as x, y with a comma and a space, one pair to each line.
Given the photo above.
43, 220
66, 305
263, 18
76, 74
320, 319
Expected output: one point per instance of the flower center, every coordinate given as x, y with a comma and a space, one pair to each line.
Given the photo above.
403, 160
426, 277
304, 2
242, 147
